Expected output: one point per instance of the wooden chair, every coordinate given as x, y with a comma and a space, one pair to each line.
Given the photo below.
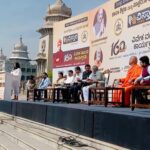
30, 94
40, 94
109, 96
144, 102
60, 93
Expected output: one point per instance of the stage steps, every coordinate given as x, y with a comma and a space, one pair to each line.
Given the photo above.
6, 144
35, 136
18, 131
21, 137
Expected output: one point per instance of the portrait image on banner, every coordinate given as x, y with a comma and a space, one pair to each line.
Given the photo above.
98, 57
99, 22
58, 56
99, 34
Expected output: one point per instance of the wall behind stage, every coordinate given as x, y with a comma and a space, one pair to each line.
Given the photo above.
105, 36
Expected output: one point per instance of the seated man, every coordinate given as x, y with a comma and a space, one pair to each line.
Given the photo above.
74, 89
95, 76
86, 75
128, 82
87, 72
143, 79
67, 83
45, 82
69, 78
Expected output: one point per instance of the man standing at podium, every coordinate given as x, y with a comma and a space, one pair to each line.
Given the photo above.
16, 73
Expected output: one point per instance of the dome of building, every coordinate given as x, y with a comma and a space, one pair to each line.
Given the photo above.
20, 45
20, 51
59, 8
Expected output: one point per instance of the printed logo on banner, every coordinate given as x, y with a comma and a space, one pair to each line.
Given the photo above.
118, 27
121, 3
68, 57
84, 36
71, 57
70, 38
118, 47
99, 23
139, 17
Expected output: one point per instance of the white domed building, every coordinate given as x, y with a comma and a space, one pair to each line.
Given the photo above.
20, 55
56, 12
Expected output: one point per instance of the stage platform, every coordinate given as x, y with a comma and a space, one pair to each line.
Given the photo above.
119, 126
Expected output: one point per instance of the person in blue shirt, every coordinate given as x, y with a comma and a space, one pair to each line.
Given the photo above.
40, 92
45, 82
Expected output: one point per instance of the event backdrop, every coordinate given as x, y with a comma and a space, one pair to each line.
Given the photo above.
105, 36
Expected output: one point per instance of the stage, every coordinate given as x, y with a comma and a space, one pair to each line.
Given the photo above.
120, 126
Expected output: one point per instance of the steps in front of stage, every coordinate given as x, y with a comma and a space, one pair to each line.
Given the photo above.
119, 126
21, 134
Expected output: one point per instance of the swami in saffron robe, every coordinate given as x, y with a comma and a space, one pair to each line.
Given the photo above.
132, 74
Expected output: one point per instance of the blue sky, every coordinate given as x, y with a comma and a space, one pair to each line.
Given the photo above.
24, 17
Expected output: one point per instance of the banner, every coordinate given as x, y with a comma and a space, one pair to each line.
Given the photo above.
71, 44
110, 34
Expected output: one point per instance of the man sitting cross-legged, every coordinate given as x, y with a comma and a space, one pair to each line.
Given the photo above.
128, 82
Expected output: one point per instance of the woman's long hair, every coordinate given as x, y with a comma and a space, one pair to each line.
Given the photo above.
17, 65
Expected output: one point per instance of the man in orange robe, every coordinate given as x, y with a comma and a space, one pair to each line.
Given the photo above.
128, 82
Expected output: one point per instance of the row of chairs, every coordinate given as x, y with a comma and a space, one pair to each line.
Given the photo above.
98, 95
105, 95
50, 94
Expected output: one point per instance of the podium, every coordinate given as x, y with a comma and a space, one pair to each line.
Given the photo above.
5, 85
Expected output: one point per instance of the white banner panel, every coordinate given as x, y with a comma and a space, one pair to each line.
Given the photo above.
107, 35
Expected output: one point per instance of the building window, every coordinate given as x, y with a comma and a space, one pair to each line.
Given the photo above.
28, 77
28, 70
22, 78
23, 69
33, 70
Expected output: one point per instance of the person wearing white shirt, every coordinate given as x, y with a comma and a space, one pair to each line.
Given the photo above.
16, 78
67, 83
74, 89
77, 75
70, 78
